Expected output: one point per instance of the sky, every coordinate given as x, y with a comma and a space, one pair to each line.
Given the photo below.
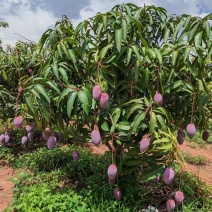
31, 18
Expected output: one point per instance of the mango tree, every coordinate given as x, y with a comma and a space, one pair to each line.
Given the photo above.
134, 76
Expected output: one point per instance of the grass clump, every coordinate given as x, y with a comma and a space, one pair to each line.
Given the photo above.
194, 160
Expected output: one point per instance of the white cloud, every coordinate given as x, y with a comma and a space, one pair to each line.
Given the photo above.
27, 23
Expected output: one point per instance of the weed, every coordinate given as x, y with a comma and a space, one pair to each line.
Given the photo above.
195, 160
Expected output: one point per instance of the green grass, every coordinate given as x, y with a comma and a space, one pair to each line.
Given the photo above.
194, 160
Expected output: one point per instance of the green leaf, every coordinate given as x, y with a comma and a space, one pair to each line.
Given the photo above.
159, 56
30, 104
132, 162
152, 122
104, 50
115, 117
64, 49
111, 58
163, 111
207, 29
54, 86
193, 31
186, 54
145, 78
162, 122
118, 38
163, 140
166, 35
104, 19
82, 95
138, 121
129, 54
105, 126
72, 55
64, 74
42, 41
133, 108
124, 29
124, 125
44, 106
99, 29
43, 91
165, 147
64, 93
152, 173
198, 39
174, 57
178, 27
136, 50
70, 103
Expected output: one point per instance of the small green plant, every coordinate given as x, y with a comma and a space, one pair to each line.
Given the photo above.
7, 154
195, 160
40, 197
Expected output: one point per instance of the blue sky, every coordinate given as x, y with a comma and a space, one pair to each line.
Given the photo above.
31, 18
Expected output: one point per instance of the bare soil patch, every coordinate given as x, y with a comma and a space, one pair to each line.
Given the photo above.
203, 172
6, 187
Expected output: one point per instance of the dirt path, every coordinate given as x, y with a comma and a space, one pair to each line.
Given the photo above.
6, 187
203, 172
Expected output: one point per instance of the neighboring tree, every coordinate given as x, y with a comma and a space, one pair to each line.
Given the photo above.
4, 25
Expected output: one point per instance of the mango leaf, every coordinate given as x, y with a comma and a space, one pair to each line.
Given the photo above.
133, 108
64, 74
163, 140
132, 162
124, 125
135, 48
174, 57
152, 122
115, 117
82, 95
193, 30
54, 86
72, 56
145, 78
159, 56
44, 106
55, 69
162, 122
42, 41
30, 104
124, 29
166, 147
207, 28
129, 54
70, 103
104, 50
43, 91
152, 173
163, 112
166, 35
178, 27
186, 54
64, 93
105, 126
138, 121
118, 38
